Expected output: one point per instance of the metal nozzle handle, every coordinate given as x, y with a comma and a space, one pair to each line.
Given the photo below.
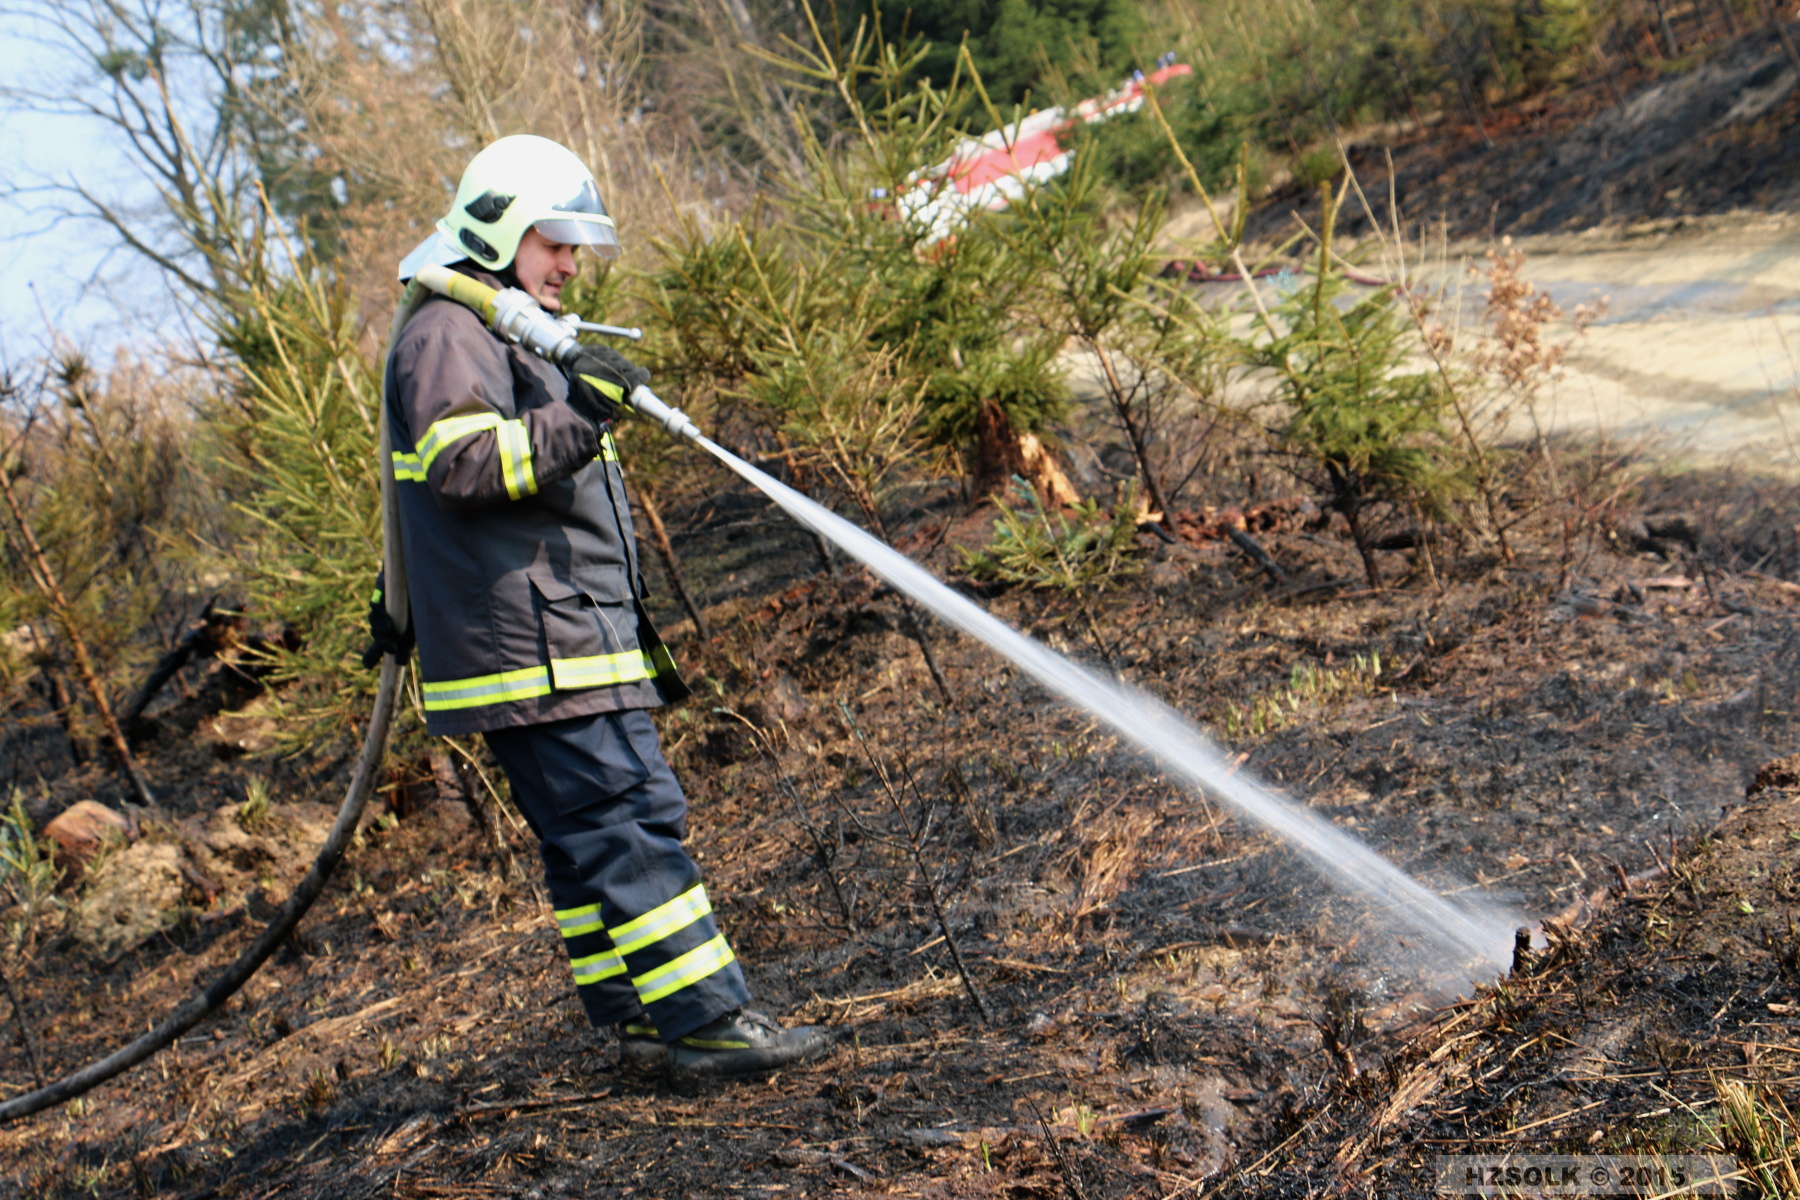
675, 422
633, 332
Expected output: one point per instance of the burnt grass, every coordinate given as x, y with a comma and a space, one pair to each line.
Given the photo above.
1178, 1005
1638, 145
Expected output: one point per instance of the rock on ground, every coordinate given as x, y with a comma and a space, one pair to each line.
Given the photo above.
83, 829
129, 898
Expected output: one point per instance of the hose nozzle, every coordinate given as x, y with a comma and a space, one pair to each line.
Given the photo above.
646, 403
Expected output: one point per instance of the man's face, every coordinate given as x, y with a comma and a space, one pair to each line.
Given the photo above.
543, 266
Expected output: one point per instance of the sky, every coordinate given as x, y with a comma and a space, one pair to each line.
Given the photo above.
63, 274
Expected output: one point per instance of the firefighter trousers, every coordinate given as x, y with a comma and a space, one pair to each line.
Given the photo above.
610, 816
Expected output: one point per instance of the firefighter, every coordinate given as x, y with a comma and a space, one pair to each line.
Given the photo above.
527, 609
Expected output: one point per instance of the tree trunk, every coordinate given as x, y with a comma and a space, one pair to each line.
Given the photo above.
910, 615
796, 480
64, 702
1668, 30
1360, 536
1781, 31
1001, 452
1121, 402
665, 550
1465, 87
46, 581
1732, 28
916, 626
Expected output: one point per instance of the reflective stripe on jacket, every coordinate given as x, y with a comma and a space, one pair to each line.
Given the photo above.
523, 572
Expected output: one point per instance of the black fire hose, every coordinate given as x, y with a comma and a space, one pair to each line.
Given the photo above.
208, 1001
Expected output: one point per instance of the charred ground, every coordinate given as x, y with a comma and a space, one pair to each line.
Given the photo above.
1653, 148
1176, 1001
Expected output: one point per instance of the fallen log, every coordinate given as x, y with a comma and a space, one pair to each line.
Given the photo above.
1194, 270
1255, 553
210, 634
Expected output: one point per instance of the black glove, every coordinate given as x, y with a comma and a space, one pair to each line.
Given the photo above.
386, 638
600, 378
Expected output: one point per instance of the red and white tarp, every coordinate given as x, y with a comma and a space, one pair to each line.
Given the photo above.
990, 172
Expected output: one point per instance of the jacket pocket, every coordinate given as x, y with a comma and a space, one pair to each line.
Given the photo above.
605, 583
589, 637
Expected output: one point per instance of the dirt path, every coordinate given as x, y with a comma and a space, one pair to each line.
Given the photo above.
1697, 357
1699, 350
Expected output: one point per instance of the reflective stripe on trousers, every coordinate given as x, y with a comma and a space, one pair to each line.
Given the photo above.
648, 936
635, 919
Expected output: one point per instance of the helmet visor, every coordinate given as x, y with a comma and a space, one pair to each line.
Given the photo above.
595, 231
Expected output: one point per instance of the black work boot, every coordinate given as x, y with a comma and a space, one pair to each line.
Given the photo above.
639, 1047
742, 1043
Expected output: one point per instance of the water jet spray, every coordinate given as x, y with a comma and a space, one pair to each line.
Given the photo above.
1467, 943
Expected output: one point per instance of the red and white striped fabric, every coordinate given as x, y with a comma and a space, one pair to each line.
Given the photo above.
992, 171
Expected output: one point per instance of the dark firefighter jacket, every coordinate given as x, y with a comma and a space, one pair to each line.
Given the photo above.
520, 561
